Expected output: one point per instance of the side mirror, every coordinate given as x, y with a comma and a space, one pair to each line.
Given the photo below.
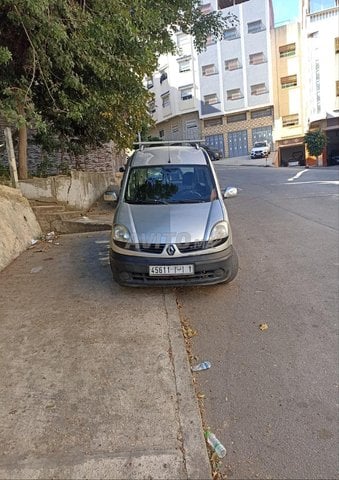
230, 192
111, 195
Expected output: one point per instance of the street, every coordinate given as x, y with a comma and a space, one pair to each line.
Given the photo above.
270, 395
95, 377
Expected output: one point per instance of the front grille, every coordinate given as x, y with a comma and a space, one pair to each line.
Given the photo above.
159, 247
196, 246
142, 247
190, 247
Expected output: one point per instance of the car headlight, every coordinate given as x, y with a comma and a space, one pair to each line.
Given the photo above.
121, 234
218, 235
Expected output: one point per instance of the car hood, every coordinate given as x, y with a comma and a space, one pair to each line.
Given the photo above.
172, 223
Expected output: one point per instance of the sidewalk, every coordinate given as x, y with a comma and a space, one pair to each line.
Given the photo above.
246, 161
95, 380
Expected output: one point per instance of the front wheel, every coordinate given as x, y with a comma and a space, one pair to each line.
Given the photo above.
234, 267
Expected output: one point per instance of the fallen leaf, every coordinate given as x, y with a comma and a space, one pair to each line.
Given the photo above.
201, 395
263, 326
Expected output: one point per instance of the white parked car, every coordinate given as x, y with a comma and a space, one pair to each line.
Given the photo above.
261, 149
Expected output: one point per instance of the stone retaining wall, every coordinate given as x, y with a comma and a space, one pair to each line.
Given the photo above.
104, 159
18, 225
78, 190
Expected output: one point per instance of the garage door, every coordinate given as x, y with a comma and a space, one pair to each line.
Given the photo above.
237, 143
262, 133
216, 141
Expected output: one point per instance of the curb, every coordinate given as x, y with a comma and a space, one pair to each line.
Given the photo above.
194, 446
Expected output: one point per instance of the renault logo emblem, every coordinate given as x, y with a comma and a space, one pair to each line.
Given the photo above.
170, 250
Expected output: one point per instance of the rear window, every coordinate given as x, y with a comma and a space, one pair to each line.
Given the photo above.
170, 184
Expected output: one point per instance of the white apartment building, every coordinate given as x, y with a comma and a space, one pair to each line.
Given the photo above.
224, 94
175, 86
235, 79
320, 37
256, 83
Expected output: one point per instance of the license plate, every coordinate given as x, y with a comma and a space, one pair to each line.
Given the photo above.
170, 270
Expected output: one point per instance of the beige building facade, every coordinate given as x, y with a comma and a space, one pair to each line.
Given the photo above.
289, 120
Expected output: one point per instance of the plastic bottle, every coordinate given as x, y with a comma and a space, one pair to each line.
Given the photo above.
201, 366
219, 449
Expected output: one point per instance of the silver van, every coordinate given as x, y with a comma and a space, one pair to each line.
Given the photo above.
171, 227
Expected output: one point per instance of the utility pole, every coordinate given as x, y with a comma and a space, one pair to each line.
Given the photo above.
11, 157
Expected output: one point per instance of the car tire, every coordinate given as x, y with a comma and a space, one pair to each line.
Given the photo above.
234, 263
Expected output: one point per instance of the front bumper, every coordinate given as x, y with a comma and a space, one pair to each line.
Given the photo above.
209, 269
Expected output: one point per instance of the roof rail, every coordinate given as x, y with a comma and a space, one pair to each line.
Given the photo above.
192, 143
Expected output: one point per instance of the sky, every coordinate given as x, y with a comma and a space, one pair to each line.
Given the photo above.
285, 10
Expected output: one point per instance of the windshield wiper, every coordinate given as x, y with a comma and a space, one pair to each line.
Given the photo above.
196, 200
149, 202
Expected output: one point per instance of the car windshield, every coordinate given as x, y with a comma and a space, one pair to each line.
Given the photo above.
170, 184
260, 144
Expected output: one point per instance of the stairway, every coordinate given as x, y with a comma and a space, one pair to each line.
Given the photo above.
58, 218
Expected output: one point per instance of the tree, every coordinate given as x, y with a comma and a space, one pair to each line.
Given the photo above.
315, 141
74, 69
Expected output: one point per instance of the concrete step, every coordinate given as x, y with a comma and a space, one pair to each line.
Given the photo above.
42, 209
53, 221
82, 225
57, 218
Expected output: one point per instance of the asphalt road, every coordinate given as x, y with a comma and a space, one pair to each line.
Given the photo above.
270, 396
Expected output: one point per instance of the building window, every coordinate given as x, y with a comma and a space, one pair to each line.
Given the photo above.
231, 34
337, 88
229, 3
232, 64
337, 45
206, 8
165, 100
185, 66
163, 77
208, 70
183, 44
290, 81
151, 106
256, 58
211, 99
316, 6
186, 93
213, 122
149, 83
255, 27
210, 40
239, 117
258, 89
264, 112
234, 94
287, 50
161, 133
290, 120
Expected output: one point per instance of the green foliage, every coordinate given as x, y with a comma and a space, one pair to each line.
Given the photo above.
5, 55
316, 141
75, 69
